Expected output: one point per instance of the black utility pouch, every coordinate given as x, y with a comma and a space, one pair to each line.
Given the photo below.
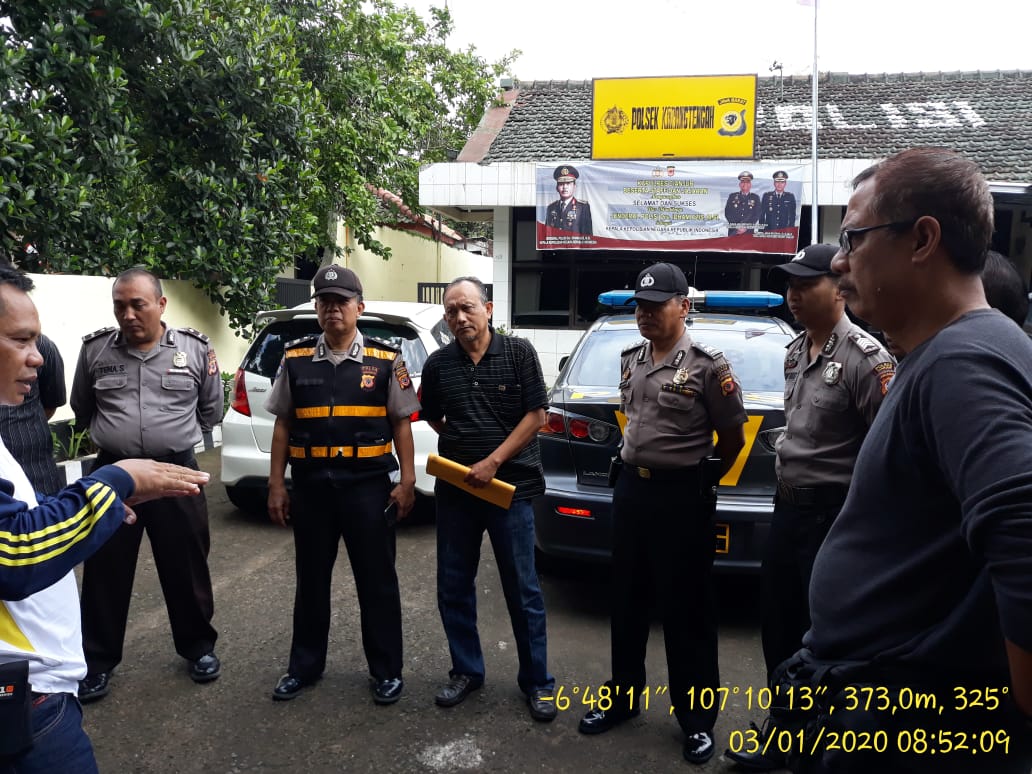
15, 708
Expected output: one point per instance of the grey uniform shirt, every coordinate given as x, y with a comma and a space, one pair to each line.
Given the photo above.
147, 404
674, 406
401, 396
830, 402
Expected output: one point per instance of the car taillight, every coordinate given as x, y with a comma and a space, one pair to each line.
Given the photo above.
579, 428
582, 513
554, 423
240, 404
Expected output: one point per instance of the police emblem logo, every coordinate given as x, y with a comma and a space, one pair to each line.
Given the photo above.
885, 371
368, 381
727, 385
330, 275
615, 121
401, 373
791, 363
681, 377
648, 281
799, 256
213, 363
179, 359
829, 345
832, 373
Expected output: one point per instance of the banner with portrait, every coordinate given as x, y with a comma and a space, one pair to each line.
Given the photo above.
653, 205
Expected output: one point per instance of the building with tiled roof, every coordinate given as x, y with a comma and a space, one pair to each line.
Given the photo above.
861, 118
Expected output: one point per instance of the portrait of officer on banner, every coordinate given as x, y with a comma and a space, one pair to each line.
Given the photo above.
778, 207
568, 213
742, 210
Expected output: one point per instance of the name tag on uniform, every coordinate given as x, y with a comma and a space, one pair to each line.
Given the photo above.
678, 389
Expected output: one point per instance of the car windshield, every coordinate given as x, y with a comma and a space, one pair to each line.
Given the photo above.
265, 354
757, 357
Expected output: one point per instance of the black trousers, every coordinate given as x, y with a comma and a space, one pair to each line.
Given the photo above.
322, 513
177, 528
796, 534
663, 545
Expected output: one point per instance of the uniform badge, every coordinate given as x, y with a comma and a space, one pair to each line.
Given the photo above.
213, 363
727, 385
330, 275
829, 345
885, 371
791, 363
179, 359
368, 377
681, 376
648, 281
401, 373
832, 373
866, 345
625, 375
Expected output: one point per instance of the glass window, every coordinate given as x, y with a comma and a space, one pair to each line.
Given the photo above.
757, 356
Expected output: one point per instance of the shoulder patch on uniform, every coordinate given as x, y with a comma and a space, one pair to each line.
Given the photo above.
706, 349
633, 348
101, 332
372, 341
309, 340
866, 345
195, 333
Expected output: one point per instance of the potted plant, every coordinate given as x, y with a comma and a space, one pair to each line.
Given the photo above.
74, 450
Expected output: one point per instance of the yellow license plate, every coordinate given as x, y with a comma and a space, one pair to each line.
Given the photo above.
723, 538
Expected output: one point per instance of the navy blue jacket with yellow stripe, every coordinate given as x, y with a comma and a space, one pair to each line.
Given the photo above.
38, 546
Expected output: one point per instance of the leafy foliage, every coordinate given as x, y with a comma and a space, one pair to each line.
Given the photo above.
215, 140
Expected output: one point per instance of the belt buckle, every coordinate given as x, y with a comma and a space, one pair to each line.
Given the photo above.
644, 473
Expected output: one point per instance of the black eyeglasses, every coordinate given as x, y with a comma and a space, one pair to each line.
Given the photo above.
845, 237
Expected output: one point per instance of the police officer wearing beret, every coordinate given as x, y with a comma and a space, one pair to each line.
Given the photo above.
148, 390
568, 214
835, 378
676, 393
778, 207
342, 404
742, 210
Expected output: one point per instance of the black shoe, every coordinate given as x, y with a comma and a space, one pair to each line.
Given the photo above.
94, 687
771, 760
387, 691
599, 721
542, 704
287, 688
698, 747
206, 668
456, 691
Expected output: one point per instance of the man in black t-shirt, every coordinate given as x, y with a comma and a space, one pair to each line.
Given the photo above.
921, 587
485, 396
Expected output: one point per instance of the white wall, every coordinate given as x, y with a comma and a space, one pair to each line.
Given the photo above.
71, 306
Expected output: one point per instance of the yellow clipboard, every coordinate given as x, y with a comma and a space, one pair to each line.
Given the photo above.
496, 492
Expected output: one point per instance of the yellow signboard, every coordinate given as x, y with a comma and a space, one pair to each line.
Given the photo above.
691, 117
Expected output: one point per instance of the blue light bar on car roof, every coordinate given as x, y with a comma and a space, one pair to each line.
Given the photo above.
725, 299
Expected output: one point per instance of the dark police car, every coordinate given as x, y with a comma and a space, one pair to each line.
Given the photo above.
584, 425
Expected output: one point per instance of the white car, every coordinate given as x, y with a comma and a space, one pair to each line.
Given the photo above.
418, 329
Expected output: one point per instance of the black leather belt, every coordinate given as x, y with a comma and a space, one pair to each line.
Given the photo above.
687, 475
176, 458
827, 496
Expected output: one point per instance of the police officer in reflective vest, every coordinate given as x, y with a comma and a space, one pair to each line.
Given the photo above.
675, 393
342, 404
835, 378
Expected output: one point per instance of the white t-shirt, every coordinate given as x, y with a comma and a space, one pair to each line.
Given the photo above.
44, 628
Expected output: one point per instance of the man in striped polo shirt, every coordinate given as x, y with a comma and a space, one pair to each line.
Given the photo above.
485, 396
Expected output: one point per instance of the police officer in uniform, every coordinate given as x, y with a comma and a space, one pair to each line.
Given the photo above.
148, 390
835, 378
778, 207
675, 393
743, 208
342, 403
568, 213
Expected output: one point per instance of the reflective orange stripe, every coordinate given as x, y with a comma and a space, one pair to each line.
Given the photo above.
302, 352
382, 354
332, 452
359, 411
321, 412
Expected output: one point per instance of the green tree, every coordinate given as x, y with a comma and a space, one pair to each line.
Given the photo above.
213, 140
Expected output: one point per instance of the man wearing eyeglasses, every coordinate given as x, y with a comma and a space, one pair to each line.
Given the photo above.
835, 378
342, 404
922, 584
